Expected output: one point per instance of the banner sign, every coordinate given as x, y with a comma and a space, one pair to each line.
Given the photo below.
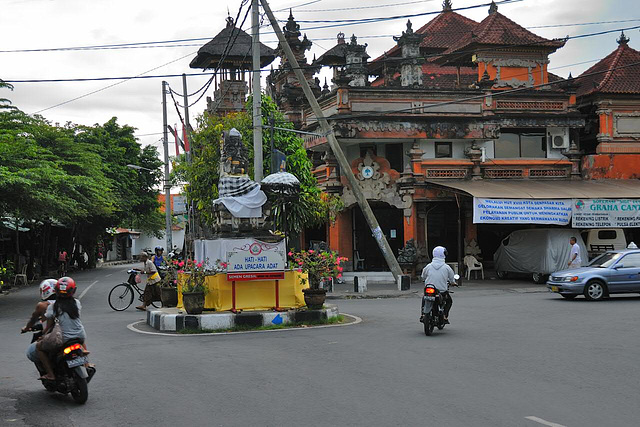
265, 275
256, 256
606, 213
179, 205
521, 211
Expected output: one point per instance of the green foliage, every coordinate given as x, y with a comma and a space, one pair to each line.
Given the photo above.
77, 176
318, 265
311, 208
4, 102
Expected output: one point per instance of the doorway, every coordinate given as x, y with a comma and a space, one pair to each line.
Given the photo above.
390, 220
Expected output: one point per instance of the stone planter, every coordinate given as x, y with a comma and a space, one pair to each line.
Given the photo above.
169, 296
193, 302
314, 298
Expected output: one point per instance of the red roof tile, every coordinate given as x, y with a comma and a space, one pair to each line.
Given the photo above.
610, 80
496, 29
441, 32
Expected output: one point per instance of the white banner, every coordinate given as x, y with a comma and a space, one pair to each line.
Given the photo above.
606, 213
219, 249
521, 211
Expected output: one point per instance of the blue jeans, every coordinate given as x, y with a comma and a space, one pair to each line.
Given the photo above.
32, 353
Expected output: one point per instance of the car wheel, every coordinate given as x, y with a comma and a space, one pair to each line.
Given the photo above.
501, 275
539, 278
595, 291
569, 296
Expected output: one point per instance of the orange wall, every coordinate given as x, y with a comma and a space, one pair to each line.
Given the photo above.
611, 166
518, 73
341, 234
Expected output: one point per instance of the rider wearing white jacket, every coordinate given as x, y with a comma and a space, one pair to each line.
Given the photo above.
439, 274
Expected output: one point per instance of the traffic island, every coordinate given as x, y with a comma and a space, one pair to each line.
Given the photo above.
176, 320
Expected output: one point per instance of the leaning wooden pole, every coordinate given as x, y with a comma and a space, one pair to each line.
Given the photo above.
345, 168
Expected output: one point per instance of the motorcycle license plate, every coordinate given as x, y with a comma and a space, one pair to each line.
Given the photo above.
554, 289
430, 298
78, 361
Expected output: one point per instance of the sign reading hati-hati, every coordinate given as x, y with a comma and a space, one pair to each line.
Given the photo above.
256, 261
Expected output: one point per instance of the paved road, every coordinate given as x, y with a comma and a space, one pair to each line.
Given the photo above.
507, 356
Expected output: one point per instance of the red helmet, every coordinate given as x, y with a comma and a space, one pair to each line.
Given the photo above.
66, 287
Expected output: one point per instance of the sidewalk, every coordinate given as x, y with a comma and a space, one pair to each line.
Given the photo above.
390, 289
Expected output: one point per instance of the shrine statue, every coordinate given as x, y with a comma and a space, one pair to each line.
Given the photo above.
239, 194
408, 254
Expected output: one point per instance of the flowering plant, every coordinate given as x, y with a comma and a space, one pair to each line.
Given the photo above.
319, 265
196, 272
6, 272
171, 273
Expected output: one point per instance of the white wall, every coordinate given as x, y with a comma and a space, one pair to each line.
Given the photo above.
150, 241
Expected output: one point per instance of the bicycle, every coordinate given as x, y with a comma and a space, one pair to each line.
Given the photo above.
121, 296
62, 268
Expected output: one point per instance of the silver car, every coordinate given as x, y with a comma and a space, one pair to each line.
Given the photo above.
614, 272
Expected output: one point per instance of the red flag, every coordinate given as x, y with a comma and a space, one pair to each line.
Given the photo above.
185, 138
175, 134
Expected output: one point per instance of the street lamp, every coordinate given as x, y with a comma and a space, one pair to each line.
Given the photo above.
136, 167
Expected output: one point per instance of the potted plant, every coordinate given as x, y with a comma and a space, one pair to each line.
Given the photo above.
169, 285
319, 266
193, 288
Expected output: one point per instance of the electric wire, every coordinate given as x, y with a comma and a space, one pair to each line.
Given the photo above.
378, 61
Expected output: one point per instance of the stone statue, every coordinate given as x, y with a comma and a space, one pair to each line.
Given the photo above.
234, 155
408, 254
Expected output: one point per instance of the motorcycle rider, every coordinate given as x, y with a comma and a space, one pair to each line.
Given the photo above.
439, 274
48, 297
158, 258
67, 310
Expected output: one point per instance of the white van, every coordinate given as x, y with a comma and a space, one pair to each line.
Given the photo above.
600, 240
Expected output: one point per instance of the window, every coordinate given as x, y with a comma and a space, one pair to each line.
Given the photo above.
393, 153
365, 148
607, 235
444, 149
515, 144
631, 261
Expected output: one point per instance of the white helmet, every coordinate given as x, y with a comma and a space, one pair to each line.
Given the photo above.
47, 288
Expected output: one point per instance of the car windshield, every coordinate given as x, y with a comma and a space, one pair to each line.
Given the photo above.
605, 260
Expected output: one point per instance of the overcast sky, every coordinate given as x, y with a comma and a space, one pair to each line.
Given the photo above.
37, 24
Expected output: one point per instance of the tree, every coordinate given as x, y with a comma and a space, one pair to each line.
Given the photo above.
202, 175
4, 102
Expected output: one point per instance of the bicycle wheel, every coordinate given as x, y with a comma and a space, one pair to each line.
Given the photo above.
121, 297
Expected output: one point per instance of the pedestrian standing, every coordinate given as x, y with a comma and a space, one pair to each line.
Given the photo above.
574, 257
152, 290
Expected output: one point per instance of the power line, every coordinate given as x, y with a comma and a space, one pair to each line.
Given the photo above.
390, 59
110, 86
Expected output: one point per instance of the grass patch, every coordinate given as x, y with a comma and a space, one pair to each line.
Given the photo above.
289, 325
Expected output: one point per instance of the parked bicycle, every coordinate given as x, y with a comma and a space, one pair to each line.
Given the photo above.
121, 296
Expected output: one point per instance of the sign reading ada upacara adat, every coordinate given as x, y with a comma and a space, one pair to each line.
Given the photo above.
606, 213
521, 211
255, 261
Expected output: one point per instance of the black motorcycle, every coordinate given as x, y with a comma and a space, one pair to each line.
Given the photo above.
69, 368
433, 302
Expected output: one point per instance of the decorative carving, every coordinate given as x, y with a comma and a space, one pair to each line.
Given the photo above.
408, 254
379, 187
493, 7
623, 40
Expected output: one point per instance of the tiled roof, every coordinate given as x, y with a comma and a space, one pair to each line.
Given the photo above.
498, 30
608, 80
440, 33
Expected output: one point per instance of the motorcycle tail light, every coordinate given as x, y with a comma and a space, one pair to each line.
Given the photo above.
71, 348
429, 290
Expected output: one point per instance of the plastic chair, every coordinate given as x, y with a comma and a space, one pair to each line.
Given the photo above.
359, 261
22, 276
472, 264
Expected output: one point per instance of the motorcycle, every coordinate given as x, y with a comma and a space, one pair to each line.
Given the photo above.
433, 308
69, 368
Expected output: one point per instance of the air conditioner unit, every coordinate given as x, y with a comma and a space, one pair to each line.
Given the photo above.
558, 138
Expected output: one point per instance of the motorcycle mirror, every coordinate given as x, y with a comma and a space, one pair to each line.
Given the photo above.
456, 276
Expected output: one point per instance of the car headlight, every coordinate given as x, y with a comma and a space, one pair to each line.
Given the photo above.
571, 279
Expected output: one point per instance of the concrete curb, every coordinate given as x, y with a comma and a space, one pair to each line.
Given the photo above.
174, 320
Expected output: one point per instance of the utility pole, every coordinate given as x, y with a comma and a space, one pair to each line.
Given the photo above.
345, 167
190, 210
167, 186
257, 98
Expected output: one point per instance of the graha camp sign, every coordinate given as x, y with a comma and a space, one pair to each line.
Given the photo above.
606, 213
256, 260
